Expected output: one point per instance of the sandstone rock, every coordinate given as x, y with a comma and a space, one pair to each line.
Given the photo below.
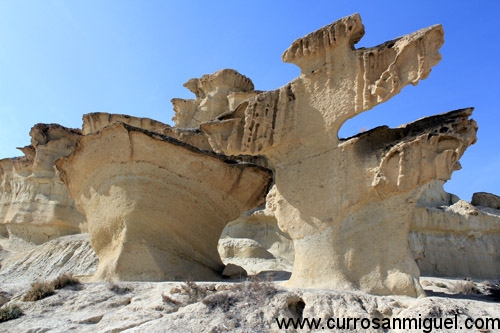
448, 238
455, 239
434, 195
94, 122
35, 206
486, 200
212, 97
255, 242
234, 271
242, 248
157, 197
70, 254
155, 205
347, 203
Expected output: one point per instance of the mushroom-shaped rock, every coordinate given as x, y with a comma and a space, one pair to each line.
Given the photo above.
350, 222
35, 206
157, 206
347, 203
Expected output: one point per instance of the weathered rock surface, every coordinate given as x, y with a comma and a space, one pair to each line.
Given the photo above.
448, 237
35, 206
234, 271
484, 199
70, 254
255, 242
157, 197
155, 205
215, 94
94, 122
451, 237
347, 203
234, 307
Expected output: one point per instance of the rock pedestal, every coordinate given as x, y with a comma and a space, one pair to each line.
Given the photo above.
155, 205
347, 203
156, 198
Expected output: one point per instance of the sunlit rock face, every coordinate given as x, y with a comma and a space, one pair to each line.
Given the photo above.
215, 94
94, 122
156, 206
450, 237
353, 213
347, 203
35, 206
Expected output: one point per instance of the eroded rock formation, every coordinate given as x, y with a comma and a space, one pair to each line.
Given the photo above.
449, 237
255, 242
157, 197
453, 238
35, 206
215, 94
156, 206
94, 122
70, 254
484, 199
347, 203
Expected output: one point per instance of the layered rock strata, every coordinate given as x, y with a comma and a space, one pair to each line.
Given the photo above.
450, 237
157, 197
347, 203
70, 254
156, 206
94, 122
35, 206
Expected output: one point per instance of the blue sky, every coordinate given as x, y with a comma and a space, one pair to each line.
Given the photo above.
61, 59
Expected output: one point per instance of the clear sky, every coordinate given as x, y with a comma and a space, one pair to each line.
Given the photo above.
62, 59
